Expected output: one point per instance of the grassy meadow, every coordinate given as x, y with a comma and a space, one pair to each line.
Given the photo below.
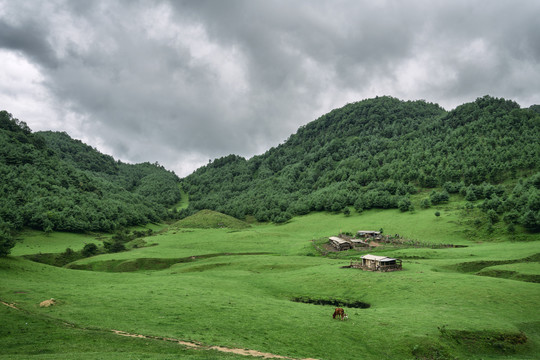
234, 286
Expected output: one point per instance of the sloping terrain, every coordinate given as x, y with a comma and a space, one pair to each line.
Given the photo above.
208, 219
376, 153
267, 288
49, 181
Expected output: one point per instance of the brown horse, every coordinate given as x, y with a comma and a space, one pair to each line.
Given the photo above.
339, 312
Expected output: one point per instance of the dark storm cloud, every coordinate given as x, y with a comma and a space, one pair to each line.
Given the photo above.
28, 38
184, 81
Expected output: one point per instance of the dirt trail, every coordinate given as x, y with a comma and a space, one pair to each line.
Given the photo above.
10, 305
192, 345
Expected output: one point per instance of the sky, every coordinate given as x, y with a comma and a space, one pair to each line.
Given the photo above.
183, 82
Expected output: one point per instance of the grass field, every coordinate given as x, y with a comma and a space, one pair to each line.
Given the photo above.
234, 287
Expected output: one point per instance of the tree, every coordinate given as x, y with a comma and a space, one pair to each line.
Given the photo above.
531, 221
114, 246
90, 249
470, 195
425, 203
404, 204
492, 216
6, 241
282, 217
438, 197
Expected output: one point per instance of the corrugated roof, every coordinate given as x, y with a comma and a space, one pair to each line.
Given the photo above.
337, 239
358, 241
378, 258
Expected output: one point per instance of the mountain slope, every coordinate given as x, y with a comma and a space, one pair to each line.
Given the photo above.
49, 181
375, 153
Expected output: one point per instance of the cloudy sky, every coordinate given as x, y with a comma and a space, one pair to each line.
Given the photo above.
182, 82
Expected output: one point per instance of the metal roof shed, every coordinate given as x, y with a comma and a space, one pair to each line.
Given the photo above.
380, 263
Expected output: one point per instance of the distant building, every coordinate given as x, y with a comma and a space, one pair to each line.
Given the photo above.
367, 233
339, 243
379, 263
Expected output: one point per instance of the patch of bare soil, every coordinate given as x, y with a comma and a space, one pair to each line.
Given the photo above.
12, 305
194, 345
329, 248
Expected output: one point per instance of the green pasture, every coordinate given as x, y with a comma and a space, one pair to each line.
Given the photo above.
523, 268
33, 242
235, 287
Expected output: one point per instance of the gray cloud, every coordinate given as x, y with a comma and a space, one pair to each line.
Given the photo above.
181, 82
27, 38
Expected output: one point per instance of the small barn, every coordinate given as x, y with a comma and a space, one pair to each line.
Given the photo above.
339, 243
380, 263
358, 243
367, 234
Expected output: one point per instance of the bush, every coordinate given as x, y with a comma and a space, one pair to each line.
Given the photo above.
404, 204
89, 250
114, 247
470, 195
282, 217
492, 215
425, 203
6, 242
439, 197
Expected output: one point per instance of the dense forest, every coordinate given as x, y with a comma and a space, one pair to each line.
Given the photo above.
49, 181
376, 153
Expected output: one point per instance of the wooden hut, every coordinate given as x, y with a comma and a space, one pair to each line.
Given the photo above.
367, 234
380, 263
339, 243
358, 243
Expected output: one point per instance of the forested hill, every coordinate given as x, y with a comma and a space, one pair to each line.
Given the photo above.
49, 181
376, 153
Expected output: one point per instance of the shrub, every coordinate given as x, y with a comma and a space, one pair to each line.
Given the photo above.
89, 250
282, 217
492, 215
404, 204
439, 197
114, 247
6, 242
425, 203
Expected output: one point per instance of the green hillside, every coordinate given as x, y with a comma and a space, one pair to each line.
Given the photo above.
208, 219
49, 181
376, 153
458, 191
269, 288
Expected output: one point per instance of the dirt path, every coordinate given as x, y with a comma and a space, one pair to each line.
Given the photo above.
192, 345
10, 305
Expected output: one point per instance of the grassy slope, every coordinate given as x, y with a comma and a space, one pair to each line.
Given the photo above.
244, 300
26, 335
209, 219
55, 242
184, 201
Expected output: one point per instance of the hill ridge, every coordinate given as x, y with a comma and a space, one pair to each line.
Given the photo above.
377, 153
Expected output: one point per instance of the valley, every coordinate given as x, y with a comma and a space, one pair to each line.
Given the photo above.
237, 289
